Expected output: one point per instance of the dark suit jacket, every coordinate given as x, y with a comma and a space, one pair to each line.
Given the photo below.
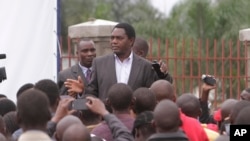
72, 72
104, 75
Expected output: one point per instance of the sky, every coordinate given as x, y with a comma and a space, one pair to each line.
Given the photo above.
164, 6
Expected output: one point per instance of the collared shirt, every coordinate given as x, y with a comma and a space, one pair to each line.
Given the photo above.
123, 68
84, 69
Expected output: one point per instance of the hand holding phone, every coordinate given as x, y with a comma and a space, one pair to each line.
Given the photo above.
79, 104
208, 79
157, 69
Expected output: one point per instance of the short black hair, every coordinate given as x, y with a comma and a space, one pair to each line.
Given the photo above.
120, 96
23, 88
129, 29
50, 88
145, 100
10, 122
3, 96
144, 122
6, 105
33, 108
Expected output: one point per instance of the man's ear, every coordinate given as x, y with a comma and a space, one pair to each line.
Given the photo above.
132, 103
132, 41
153, 124
174, 98
56, 136
137, 133
199, 112
139, 53
107, 101
18, 118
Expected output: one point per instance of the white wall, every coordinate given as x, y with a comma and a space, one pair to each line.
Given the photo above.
28, 38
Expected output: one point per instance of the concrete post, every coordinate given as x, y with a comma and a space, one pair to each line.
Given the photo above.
244, 36
96, 29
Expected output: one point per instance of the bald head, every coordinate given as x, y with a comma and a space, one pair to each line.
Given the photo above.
189, 105
163, 90
144, 100
237, 108
140, 47
226, 107
64, 123
167, 116
245, 94
76, 132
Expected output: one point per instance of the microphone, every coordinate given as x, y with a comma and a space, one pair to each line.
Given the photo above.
2, 56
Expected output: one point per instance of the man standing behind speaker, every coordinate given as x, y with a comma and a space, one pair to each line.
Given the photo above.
86, 52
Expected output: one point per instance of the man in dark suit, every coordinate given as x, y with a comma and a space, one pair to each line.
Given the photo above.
122, 66
86, 52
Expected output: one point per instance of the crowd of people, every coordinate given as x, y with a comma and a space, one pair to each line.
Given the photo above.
126, 100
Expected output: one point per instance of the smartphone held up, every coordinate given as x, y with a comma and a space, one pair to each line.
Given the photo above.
208, 79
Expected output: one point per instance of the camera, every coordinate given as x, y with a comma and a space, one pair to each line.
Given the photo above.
157, 69
2, 69
208, 79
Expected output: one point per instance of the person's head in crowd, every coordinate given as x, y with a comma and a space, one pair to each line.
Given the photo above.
226, 107
86, 52
163, 90
144, 100
143, 127
6, 105
2, 126
120, 97
245, 94
166, 117
222, 138
2, 96
122, 39
23, 88
140, 47
10, 122
76, 132
51, 89
89, 118
225, 111
237, 108
64, 123
189, 105
243, 116
33, 110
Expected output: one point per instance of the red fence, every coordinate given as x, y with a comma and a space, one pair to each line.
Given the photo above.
187, 60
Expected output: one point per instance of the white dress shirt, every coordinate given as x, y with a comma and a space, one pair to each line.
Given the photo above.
123, 68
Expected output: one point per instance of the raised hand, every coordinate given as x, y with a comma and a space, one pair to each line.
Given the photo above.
74, 86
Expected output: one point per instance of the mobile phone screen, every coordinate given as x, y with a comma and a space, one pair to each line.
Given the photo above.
79, 104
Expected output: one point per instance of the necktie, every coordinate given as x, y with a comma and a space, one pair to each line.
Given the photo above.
88, 75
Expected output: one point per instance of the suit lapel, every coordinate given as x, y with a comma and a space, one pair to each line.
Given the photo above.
135, 69
78, 71
111, 69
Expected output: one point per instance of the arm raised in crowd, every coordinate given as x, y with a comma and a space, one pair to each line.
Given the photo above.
119, 131
205, 114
